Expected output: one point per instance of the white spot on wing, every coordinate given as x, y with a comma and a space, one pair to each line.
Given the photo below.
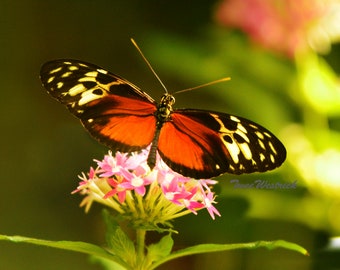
261, 144
102, 71
259, 134
245, 137
66, 74
55, 70
234, 118
50, 79
242, 128
267, 134
262, 157
246, 151
87, 97
253, 126
88, 79
77, 89
233, 150
60, 85
272, 147
91, 74
72, 68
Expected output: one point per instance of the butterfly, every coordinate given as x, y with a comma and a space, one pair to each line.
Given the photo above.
195, 143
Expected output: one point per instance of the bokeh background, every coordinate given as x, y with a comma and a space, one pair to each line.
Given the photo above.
284, 71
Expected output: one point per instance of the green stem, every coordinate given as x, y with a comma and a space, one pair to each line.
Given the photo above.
140, 243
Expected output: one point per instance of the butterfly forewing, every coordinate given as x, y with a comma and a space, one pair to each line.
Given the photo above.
112, 109
206, 144
75, 83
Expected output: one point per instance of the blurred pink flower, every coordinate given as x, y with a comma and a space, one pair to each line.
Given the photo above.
285, 26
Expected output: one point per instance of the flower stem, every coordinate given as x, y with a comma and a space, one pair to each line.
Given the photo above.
140, 243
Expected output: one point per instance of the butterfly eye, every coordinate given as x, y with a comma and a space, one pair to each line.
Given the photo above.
167, 100
172, 100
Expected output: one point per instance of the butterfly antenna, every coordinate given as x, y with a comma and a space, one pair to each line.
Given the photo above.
148, 63
203, 85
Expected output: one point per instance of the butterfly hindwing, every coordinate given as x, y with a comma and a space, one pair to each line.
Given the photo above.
204, 144
112, 109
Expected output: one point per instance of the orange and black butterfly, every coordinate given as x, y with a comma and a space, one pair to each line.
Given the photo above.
195, 143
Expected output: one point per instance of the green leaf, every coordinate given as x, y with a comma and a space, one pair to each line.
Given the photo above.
160, 250
77, 246
119, 243
122, 246
207, 248
111, 225
106, 264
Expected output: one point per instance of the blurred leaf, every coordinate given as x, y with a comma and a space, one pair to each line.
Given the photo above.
258, 80
319, 84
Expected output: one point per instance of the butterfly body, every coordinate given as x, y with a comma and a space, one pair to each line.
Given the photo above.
195, 143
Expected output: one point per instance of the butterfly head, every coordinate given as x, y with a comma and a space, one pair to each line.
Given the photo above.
167, 100
165, 107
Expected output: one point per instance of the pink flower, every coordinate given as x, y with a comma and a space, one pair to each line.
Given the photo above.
117, 189
285, 26
208, 202
125, 182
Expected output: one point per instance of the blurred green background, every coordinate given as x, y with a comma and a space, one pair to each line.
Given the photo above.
43, 147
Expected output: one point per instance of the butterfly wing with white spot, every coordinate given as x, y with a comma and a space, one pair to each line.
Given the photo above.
205, 144
112, 109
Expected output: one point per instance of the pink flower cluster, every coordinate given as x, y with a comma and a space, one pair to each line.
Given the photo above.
117, 176
285, 26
